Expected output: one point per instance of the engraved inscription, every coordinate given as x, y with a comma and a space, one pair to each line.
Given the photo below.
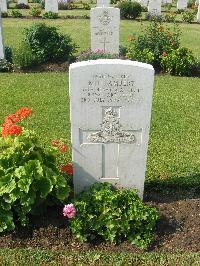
104, 88
105, 19
111, 130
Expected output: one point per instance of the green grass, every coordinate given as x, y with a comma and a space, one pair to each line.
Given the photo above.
32, 257
79, 29
174, 140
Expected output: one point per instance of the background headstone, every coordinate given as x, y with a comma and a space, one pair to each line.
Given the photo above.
198, 14
25, 2
51, 5
181, 4
105, 29
3, 6
2, 54
143, 2
154, 7
110, 105
103, 3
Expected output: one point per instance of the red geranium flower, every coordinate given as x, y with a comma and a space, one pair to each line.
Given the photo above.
12, 119
63, 148
68, 168
24, 112
55, 143
11, 129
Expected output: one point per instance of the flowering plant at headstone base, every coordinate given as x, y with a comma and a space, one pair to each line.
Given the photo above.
29, 176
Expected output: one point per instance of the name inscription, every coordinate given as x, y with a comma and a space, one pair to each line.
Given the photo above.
105, 88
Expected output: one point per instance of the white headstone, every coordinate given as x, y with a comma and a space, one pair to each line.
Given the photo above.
3, 6
2, 54
110, 105
51, 5
105, 29
103, 3
181, 4
198, 14
25, 2
154, 7
143, 2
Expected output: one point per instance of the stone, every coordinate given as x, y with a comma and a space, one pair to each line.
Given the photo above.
110, 105
25, 2
2, 54
154, 7
103, 3
105, 29
181, 4
143, 2
198, 14
3, 6
51, 5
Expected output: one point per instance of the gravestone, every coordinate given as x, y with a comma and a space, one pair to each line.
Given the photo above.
103, 3
2, 54
25, 2
181, 4
110, 105
51, 5
154, 7
105, 29
198, 14
143, 2
3, 6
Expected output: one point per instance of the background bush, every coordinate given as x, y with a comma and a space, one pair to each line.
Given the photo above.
129, 10
188, 16
22, 6
8, 54
50, 15
47, 44
26, 59
113, 215
16, 14
35, 11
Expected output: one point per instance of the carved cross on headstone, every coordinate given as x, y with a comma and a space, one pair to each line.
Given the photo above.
110, 136
104, 44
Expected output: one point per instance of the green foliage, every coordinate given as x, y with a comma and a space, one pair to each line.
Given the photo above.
170, 17
47, 44
35, 11
16, 14
130, 10
99, 54
22, 6
188, 16
191, 3
179, 62
28, 176
151, 44
25, 59
86, 6
4, 14
5, 66
50, 15
113, 215
9, 54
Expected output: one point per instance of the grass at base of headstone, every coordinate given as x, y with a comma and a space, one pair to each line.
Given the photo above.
79, 29
174, 137
45, 257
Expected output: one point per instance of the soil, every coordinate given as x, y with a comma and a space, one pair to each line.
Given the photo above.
47, 67
177, 229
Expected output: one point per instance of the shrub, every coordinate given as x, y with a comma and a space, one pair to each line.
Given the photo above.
179, 62
152, 17
63, 5
35, 11
113, 215
24, 57
16, 14
99, 54
4, 14
22, 6
188, 16
170, 17
150, 45
29, 176
5, 66
47, 44
130, 10
8, 54
191, 3
50, 15
86, 6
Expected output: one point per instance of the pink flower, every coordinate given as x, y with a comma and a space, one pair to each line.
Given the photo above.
69, 211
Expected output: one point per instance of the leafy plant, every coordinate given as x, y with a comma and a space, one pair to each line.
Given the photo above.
50, 15
5, 66
86, 6
22, 6
16, 14
170, 17
47, 44
188, 16
29, 177
99, 54
4, 14
130, 10
179, 62
35, 11
25, 59
9, 54
113, 215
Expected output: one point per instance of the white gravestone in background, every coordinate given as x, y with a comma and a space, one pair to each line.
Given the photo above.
198, 14
105, 29
2, 55
181, 4
143, 2
25, 2
154, 7
110, 105
103, 3
51, 5
3, 6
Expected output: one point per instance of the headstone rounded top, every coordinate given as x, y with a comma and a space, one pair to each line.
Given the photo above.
111, 62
